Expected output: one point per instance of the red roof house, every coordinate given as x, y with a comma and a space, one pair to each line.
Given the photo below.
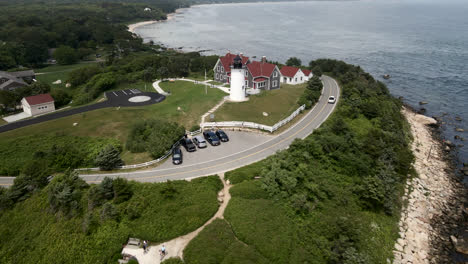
222, 68
289, 71
38, 104
39, 99
294, 75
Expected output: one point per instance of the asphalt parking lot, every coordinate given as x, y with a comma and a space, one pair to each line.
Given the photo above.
238, 142
123, 98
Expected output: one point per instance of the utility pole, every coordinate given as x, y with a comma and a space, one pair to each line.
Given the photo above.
206, 88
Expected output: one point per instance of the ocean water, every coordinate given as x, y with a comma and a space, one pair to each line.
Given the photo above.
423, 45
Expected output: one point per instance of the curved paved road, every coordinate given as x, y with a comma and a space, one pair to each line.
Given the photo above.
301, 129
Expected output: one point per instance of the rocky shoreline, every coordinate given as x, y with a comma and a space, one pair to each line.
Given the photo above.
434, 202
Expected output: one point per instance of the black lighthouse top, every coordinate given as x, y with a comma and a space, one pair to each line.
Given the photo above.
237, 64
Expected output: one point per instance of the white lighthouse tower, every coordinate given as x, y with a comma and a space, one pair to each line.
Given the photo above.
237, 92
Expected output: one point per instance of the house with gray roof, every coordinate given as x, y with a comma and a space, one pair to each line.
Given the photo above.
9, 81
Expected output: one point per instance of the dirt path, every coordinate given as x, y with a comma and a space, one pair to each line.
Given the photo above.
176, 246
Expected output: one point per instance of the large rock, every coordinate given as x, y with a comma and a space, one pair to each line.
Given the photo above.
425, 120
461, 244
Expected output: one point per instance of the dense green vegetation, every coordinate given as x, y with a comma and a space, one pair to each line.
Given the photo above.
331, 198
71, 222
29, 28
218, 244
154, 136
57, 151
312, 94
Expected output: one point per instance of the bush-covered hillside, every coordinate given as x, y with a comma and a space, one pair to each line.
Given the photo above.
71, 222
331, 198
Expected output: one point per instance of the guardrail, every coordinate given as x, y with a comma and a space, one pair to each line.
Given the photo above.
243, 124
151, 162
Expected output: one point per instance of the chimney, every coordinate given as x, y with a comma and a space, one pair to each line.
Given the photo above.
241, 54
264, 59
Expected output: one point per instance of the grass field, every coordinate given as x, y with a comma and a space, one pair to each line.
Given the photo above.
115, 123
53, 73
279, 104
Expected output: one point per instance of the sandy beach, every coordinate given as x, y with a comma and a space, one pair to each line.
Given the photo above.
170, 16
434, 200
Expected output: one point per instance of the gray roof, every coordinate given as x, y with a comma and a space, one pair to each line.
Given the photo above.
11, 79
22, 74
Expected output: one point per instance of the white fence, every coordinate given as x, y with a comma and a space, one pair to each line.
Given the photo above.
242, 124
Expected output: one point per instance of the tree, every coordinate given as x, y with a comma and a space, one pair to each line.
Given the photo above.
61, 97
66, 55
65, 193
109, 158
294, 61
163, 72
317, 71
39, 88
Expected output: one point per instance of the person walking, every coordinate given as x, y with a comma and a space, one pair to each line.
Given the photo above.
145, 246
162, 251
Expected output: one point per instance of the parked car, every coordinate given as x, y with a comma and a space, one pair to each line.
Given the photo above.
331, 99
199, 141
187, 143
176, 156
211, 137
222, 135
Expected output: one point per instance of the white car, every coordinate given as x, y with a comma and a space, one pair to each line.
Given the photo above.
331, 99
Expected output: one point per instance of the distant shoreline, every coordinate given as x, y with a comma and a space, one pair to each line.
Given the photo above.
170, 16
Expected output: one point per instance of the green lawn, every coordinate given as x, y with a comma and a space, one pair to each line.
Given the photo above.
157, 212
53, 73
115, 123
279, 104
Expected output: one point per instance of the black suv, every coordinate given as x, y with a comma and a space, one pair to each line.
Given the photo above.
222, 135
211, 138
188, 144
177, 156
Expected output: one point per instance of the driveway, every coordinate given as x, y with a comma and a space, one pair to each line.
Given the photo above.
114, 99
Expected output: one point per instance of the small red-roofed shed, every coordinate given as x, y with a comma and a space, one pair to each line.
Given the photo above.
38, 104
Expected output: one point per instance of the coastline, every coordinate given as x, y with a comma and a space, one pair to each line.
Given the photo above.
170, 16
434, 199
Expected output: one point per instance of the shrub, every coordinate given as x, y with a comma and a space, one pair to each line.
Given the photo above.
109, 158
64, 194
66, 55
154, 136
82, 75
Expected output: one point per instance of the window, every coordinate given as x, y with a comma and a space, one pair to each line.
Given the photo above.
285, 79
301, 78
295, 79
290, 79
246, 73
217, 76
222, 69
275, 83
246, 83
275, 74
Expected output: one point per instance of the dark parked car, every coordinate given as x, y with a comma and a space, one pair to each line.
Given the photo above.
188, 144
177, 156
222, 135
211, 138
199, 141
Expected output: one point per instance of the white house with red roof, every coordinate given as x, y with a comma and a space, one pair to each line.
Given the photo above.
38, 104
294, 75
